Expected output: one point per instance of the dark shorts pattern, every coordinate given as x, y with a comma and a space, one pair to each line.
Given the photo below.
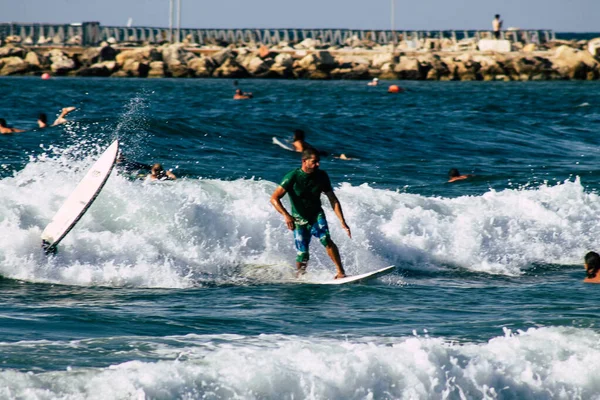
303, 233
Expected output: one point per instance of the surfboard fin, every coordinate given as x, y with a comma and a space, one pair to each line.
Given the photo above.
48, 248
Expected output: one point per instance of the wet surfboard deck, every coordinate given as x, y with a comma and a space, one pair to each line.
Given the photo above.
362, 278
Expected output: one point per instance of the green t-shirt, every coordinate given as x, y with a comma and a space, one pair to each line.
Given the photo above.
305, 193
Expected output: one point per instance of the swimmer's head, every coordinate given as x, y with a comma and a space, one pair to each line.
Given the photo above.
43, 118
3, 122
453, 173
592, 264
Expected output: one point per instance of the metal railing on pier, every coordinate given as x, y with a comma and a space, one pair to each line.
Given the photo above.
92, 33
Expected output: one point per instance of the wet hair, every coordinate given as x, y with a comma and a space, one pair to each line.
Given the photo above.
453, 173
592, 259
298, 134
309, 153
157, 168
43, 117
3, 122
497, 16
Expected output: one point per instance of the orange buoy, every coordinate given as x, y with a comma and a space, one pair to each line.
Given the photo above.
45, 75
395, 89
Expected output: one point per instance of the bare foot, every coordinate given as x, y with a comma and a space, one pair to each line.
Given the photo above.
339, 276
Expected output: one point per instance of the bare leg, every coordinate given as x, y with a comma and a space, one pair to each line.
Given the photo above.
334, 253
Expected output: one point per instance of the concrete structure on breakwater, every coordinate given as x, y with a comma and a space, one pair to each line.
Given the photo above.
92, 34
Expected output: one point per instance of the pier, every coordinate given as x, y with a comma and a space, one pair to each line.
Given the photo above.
92, 34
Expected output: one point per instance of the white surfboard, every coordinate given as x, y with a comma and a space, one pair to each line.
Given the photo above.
281, 144
355, 278
80, 200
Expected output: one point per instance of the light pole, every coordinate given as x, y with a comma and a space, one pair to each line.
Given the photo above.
393, 18
171, 21
178, 21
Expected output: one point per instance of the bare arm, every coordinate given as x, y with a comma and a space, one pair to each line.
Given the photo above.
276, 201
337, 208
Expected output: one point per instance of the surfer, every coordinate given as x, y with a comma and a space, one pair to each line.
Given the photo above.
239, 95
592, 266
305, 186
454, 175
4, 129
129, 167
43, 118
158, 173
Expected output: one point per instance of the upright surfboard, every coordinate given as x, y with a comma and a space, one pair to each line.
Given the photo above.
281, 144
355, 278
80, 200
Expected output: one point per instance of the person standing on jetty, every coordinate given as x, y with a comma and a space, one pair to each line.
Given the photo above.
497, 26
305, 186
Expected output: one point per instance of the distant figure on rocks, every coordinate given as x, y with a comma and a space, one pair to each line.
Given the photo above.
239, 95
43, 118
374, 82
158, 173
497, 26
4, 129
454, 175
592, 267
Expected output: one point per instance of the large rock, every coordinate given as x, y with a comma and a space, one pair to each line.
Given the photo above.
14, 66
12, 51
257, 66
94, 55
321, 60
575, 64
103, 69
350, 61
33, 59
285, 60
230, 69
177, 69
61, 64
143, 55
383, 58
222, 56
281, 71
133, 68
202, 67
409, 68
173, 53
360, 71
157, 69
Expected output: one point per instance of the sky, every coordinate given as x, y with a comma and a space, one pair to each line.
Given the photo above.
557, 15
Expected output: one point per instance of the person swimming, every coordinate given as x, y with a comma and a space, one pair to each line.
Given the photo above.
158, 173
454, 175
4, 128
592, 266
239, 95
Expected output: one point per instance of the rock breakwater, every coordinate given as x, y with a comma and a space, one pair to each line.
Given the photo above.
561, 60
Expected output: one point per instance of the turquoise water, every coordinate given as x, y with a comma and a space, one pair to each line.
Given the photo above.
183, 290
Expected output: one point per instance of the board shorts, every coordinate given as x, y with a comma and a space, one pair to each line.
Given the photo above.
303, 233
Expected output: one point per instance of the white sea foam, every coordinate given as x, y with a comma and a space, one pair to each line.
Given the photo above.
195, 231
543, 363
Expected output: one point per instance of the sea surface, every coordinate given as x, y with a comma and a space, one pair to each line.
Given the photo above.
186, 289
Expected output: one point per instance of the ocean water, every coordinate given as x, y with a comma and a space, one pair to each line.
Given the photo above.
185, 290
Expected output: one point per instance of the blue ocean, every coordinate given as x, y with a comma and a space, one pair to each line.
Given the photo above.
186, 289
